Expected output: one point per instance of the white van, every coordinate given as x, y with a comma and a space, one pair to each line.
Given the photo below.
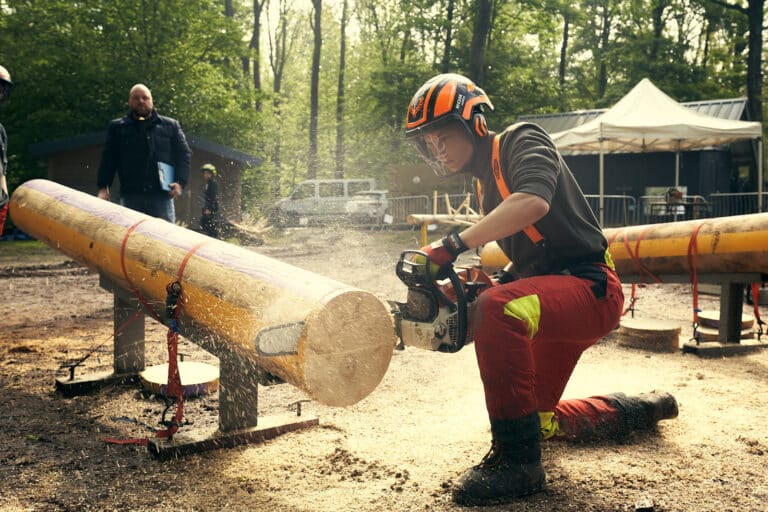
314, 201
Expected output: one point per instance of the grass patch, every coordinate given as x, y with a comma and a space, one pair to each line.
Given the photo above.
28, 252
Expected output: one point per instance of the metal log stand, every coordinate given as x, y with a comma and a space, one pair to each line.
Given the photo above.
238, 388
729, 341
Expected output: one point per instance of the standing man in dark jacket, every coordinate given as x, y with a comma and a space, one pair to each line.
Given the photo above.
142, 148
5, 90
209, 220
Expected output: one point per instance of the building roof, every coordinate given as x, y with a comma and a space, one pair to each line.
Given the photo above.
731, 109
43, 149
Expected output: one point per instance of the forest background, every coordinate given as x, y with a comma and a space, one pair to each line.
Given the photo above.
319, 89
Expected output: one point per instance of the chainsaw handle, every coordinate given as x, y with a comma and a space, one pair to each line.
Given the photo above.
413, 269
461, 315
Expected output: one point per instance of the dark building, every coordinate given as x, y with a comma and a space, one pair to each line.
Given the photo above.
74, 162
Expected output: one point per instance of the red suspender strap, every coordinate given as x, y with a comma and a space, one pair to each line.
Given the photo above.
531, 231
479, 195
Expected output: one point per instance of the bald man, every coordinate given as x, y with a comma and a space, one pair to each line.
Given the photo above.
143, 148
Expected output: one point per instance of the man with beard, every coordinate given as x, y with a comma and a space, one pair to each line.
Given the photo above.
145, 149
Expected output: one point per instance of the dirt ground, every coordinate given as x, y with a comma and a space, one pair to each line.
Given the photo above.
399, 449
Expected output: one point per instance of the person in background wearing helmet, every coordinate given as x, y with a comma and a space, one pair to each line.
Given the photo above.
209, 220
6, 85
559, 296
140, 148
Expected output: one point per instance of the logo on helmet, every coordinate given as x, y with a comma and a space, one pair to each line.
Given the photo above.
415, 108
459, 102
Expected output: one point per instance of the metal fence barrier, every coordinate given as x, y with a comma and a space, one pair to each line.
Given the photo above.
726, 205
619, 210
401, 207
658, 209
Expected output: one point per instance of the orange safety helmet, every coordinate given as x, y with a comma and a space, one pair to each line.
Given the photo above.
5, 82
442, 99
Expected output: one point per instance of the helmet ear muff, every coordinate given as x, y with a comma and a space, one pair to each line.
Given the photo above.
479, 124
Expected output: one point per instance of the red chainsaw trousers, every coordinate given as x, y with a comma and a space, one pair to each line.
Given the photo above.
3, 213
529, 334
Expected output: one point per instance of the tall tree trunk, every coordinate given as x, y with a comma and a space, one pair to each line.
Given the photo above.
480, 33
707, 38
404, 46
314, 90
754, 60
255, 45
658, 27
602, 73
754, 13
340, 96
279, 52
379, 34
446, 65
563, 60
229, 12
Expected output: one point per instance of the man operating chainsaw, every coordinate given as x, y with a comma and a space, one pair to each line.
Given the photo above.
559, 296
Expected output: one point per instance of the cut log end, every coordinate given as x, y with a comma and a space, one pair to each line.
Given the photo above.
650, 334
349, 345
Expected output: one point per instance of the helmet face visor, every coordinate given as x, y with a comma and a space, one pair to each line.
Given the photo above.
442, 146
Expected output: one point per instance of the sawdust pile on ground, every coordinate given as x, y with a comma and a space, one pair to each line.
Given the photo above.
399, 449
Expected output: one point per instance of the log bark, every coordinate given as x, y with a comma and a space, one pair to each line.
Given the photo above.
322, 336
721, 245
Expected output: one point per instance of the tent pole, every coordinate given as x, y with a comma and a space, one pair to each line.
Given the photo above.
602, 186
677, 173
760, 175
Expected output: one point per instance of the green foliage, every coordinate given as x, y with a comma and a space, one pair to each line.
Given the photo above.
74, 62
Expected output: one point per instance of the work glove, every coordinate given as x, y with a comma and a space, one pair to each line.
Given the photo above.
442, 253
505, 275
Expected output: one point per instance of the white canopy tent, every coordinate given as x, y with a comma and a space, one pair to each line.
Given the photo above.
647, 120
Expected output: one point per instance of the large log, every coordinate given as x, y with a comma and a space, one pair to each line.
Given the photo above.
721, 245
331, 340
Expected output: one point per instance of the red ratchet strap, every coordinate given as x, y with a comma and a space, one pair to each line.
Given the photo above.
636, 256
174, 388
756, 306
693, 251
642, 269
632, 297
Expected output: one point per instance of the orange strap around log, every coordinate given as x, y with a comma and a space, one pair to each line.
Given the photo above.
174, 387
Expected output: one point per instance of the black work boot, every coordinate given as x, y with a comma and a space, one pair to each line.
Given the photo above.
510, 470
644, 411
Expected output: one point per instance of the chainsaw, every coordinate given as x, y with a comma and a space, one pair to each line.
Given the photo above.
435, 315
